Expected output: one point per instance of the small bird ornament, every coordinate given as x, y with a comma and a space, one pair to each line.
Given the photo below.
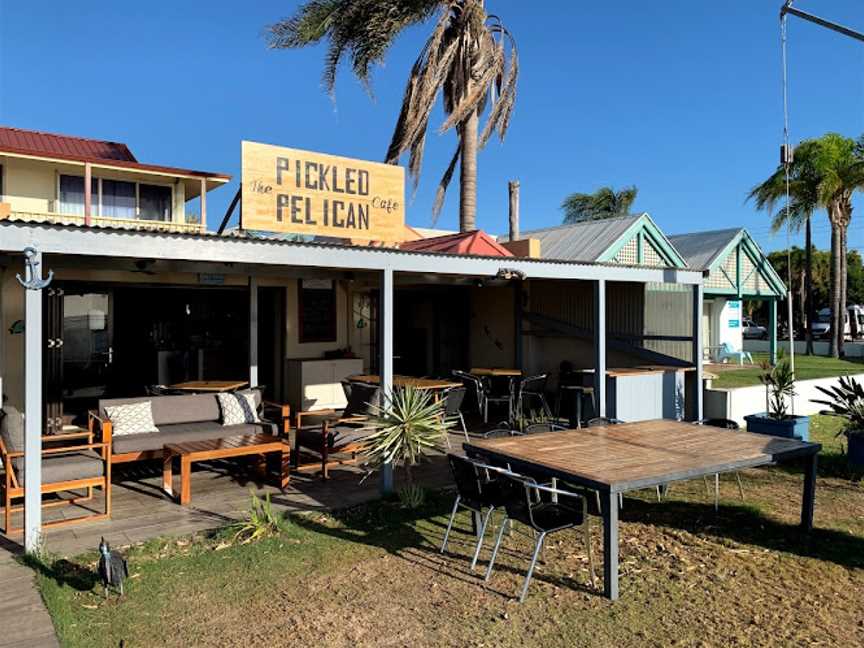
113, 569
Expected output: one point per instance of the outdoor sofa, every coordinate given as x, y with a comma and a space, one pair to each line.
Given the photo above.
183, 418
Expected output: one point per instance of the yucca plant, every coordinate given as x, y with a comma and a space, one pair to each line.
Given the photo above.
847, 400
779, 382
405, 428
261, 521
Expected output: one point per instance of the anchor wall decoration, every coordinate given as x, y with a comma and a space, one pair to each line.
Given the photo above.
34, 281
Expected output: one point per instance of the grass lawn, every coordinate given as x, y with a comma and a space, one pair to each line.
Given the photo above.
806, 367
372, 576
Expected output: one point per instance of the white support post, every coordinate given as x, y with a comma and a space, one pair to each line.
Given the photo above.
600, 347
253, 331
33, 406
385, 322
698, 298
203, 199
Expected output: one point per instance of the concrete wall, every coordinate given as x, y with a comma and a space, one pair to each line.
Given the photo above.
492, 329
737, 403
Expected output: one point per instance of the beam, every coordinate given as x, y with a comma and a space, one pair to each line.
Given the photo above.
600, 347
385, 324
203, 205
840, 29
772, 331
228, 213
33, 408
253, 331
88, 194
698, 300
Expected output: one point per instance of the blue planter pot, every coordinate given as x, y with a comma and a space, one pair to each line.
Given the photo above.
797, 427
855, 449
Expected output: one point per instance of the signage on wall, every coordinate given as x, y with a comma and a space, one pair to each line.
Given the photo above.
734, 305
734, 323
289, 190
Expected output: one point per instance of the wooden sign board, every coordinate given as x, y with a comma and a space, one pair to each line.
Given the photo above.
289, 190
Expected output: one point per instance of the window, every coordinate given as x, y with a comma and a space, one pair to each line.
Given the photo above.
116, 199
154, 202
317, 310
72, 194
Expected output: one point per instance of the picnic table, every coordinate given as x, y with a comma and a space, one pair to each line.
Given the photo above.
617, 458
501, 372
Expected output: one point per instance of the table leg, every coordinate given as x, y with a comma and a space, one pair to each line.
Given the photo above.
167, 475
185, 479
610, 545
292, 443
809, 497
284, 466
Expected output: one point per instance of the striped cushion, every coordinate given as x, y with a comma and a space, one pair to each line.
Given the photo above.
238, 408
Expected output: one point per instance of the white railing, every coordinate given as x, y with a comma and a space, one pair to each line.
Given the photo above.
103, 221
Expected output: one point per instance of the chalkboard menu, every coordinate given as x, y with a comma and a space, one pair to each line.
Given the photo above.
317, 310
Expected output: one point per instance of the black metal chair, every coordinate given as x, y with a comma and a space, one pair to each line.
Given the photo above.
600, 421
478, 488
537, 428
531, 389
453, 399
474, 383
501, 397
498, 432
525, 503
726, 424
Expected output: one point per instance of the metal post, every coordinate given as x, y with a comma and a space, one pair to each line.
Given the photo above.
600, 347
203, 199
698, 300
385, 322
33, 284
772, 331
610, 545
808, 499
88, 194
253, 331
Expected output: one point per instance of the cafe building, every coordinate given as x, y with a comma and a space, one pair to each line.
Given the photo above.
115, 280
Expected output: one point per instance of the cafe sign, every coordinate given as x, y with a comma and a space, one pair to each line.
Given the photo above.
289, 190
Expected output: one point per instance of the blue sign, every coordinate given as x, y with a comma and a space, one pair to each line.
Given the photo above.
734, 323
735, 304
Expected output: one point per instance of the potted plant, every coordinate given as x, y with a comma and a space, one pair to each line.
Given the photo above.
405, 429
847, 400
777, 420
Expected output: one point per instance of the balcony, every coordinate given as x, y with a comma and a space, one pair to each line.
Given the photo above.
7, 213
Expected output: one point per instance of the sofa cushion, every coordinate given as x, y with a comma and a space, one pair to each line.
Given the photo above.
65, 467
131, 418
363, 399
182, 432
185, 408
238, 408
12, 428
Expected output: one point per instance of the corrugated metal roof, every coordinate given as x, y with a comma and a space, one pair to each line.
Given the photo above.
580, 241
19, 141
476, 243
701, 249
48, 144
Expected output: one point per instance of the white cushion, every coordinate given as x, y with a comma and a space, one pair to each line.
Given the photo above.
238, 408
133, 418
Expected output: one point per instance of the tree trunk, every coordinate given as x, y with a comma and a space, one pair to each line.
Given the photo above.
834, 302
468, 175
808, 280
841, 340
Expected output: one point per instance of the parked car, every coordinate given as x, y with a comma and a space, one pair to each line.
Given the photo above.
754, 331
822, 325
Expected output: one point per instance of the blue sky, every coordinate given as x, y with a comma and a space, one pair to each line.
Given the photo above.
679, 98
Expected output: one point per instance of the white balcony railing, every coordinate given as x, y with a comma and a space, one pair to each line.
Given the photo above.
101, 221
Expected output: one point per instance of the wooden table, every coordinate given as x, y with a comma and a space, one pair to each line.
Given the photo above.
409, 381
210, 385
236, 446
496, 373
617, 458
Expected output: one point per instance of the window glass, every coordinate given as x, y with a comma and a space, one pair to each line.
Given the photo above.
155, 202
72, 195
118, 199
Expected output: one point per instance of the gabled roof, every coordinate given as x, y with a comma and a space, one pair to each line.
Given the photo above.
603, 240
701, 249
49, 144
733, 261
475, 243
27, 143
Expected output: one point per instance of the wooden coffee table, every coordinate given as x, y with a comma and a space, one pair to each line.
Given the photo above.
236, 446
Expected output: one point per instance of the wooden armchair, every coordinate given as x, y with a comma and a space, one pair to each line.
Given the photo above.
70, 467
335, 437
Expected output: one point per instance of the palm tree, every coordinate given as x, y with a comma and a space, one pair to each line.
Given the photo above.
603, 203
470, 59
824, 174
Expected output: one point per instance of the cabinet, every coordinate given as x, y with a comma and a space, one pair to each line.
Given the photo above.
316, 384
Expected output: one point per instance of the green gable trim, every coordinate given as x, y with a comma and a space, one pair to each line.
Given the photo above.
743, 244
645, 231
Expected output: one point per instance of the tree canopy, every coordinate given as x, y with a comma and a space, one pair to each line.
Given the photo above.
603, 203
